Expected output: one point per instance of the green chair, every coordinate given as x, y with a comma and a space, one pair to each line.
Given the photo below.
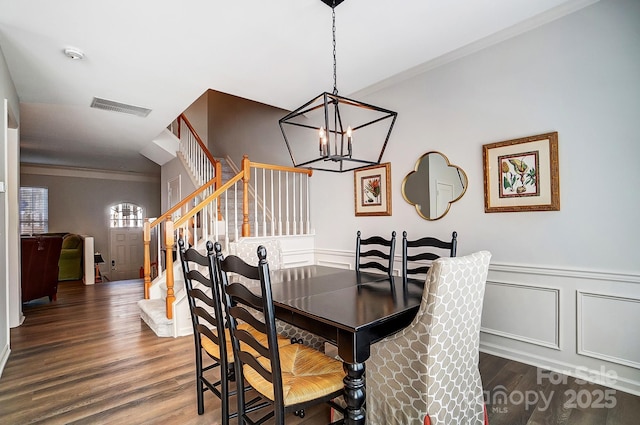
70, 262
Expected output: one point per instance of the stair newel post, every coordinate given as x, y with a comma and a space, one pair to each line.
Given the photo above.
218, 168
146, 237
169, 241
246, 169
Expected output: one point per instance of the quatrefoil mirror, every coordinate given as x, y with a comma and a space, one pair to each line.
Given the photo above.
434, 185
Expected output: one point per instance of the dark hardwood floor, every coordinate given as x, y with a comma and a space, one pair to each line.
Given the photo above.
87, 358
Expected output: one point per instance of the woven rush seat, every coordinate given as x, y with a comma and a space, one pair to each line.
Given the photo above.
212, 338
290, 378
307, 374
213, 349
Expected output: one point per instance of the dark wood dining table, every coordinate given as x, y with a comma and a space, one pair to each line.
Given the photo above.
350, 309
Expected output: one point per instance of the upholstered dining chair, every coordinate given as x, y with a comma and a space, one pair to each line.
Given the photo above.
416, 252
428, 372
378, 254
211, 338
290, 378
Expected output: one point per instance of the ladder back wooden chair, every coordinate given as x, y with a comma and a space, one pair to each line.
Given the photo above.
291, 377
211, 337
415, 254
246, 249
378, 255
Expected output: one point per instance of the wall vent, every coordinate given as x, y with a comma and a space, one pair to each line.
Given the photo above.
110, 105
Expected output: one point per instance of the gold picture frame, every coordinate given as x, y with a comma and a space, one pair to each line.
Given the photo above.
372, 190
522, 174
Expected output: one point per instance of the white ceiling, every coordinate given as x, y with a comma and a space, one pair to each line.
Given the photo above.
163, 55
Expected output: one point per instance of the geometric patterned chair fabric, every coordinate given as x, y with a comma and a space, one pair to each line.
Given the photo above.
246, 249
428, 372
416, 252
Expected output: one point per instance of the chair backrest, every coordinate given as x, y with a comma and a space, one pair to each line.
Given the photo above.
205, 302
40, 256
424, 249
239, 301
436, 357
379, 257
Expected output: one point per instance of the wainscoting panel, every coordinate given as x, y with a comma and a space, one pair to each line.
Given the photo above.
576, 322
607, 328
524, 313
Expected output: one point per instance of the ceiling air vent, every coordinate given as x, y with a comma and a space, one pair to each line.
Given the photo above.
110, 105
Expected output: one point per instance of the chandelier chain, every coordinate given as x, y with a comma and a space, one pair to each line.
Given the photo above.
335, 78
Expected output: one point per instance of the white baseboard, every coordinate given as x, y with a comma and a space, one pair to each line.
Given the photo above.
4, 357
537, 315
599, 376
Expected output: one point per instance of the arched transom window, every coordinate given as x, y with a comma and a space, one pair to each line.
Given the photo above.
126, 215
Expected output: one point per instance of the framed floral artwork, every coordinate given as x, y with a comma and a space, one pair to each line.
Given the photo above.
522, 174
372, 190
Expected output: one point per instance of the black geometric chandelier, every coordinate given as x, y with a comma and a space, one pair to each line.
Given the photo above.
334, 133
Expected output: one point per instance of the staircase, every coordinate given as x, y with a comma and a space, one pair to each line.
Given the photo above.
275, 206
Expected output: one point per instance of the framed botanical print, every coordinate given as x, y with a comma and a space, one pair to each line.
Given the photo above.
372, 190
522, 174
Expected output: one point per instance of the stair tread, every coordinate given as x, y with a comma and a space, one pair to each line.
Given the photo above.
156, 310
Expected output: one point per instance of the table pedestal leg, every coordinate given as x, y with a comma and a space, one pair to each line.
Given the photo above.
354, 393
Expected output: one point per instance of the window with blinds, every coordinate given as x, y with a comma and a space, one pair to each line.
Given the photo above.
34, 210
126, 215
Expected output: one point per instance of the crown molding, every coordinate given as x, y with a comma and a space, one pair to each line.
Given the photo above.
87, 173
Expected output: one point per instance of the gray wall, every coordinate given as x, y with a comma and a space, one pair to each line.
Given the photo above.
79, 201
238, 126
578, 76
564, 286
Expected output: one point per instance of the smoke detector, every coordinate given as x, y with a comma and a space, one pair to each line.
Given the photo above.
73, 53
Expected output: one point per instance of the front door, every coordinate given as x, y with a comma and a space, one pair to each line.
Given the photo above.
126, 253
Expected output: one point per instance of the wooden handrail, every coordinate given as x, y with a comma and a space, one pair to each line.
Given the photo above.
198, 139
215, 181
306, 171
182, 203
170, 226
193, 211
217, 166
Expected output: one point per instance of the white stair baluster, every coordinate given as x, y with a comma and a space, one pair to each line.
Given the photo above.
273, 212
293, 204
286, 202
308, 209
256, 231
301, 209
279, 203
263, 203
226, 220
235, 213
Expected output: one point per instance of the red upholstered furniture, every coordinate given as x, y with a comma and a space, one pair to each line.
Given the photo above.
40, 255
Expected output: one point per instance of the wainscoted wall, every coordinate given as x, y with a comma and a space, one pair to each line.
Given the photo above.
564, 285
577, 322
571, 321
